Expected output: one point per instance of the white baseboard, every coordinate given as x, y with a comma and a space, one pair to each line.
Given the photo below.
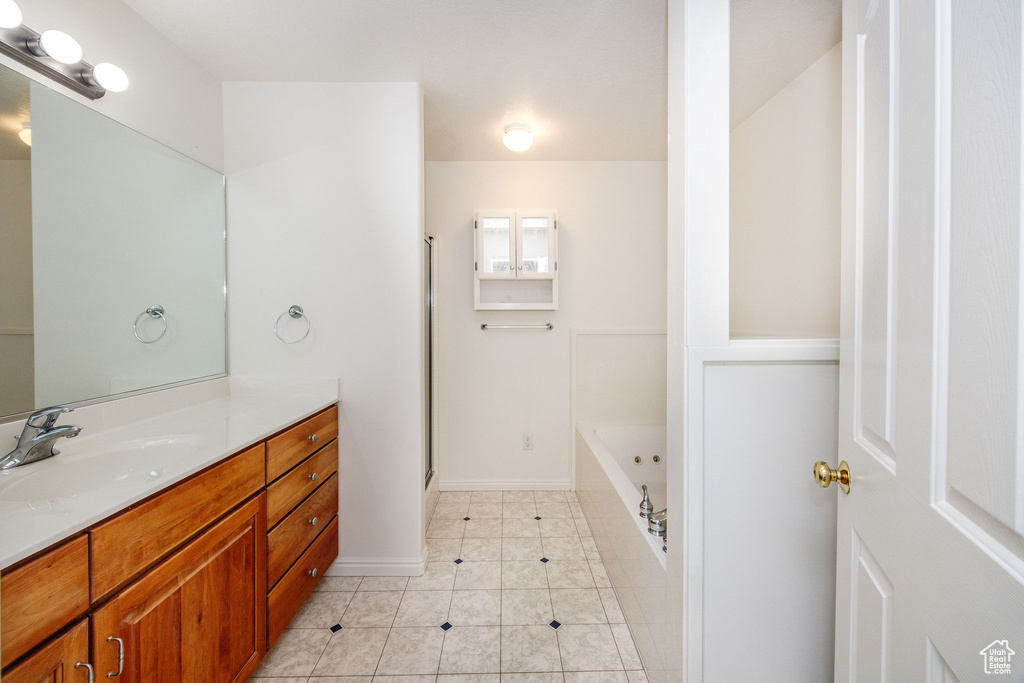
379, 566
504, 486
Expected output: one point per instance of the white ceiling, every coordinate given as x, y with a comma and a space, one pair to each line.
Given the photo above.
773, 42
587, 75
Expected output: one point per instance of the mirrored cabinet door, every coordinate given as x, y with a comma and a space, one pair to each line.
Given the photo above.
496, 244
536, 244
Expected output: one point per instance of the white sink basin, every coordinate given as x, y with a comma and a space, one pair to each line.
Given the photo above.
70, 475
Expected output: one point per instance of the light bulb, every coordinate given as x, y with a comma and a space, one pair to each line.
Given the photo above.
26, 135
517, 137
110, 77
61, 47
10, 14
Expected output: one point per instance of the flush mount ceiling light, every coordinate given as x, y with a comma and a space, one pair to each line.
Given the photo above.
57, 55
26, 134
517, 137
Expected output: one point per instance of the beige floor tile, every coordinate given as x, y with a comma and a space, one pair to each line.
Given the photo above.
440, 576
321, 610
341, 584
521, 549
372, 609
475, 608
571, 496
478, 576
383, 583
352, 651
590, 548
520, 575
294, 654
485, 510
596, 677
412, 651
450, 510
545, 677
525, 607
529, 648
518, 510
637, 676
483, 528
578, 606
570, 574
443, 549
446, 528
520, 528
481, 549
471, 649
421, 678
582, 528
562, 548
486, 497
588, 648
454, 497
557, 527
549, 496
289, 679
423, 608
600, 575
517, 497
469, 678
553, 511
611, 606
627, 649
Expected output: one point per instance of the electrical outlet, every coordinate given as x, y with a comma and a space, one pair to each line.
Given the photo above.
527, 442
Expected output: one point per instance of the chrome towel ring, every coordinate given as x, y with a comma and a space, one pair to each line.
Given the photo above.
156, 311
292, 312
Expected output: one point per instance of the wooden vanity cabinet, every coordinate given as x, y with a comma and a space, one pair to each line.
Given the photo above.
55, 662
196, 617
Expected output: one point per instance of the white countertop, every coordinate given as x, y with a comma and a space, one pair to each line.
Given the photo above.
114, 464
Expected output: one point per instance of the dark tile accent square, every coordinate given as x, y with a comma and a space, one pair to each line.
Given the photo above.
465, 519
458, 561
554, 624
544, 559
445, 626
335, 628
537, 518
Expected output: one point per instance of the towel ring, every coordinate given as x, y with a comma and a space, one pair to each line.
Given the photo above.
292, 312
156, 311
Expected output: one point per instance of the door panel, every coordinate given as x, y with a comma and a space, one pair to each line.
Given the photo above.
871, 607
55, 661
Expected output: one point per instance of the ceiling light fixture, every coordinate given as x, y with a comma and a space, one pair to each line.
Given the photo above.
10, 14
26, 134
56, 55
517, 137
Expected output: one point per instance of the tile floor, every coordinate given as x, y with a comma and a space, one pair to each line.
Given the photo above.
514, 591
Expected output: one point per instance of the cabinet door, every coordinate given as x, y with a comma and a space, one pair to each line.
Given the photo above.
495, 244
55, 661
200, 616
535, 238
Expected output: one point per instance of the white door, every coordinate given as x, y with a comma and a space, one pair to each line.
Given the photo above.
931, 535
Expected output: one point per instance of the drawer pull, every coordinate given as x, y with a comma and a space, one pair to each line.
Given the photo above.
312, 477
312, 438
88, 666
312, 572
120, 656
313, 521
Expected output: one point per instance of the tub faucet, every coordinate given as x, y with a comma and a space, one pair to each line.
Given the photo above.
38, 438
657, 524
646, 506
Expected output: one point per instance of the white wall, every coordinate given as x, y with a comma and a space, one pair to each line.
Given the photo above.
16, 380
325, 211
172, 99
620, 378
495, 386
784, 208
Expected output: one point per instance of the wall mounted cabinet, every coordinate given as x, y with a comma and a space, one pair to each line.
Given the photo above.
516, 259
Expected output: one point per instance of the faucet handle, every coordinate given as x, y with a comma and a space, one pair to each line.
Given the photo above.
47, 417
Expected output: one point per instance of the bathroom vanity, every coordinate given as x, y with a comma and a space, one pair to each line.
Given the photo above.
187, 569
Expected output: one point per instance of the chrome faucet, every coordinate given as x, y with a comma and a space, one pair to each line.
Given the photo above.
646, 506
38, 438
657, 524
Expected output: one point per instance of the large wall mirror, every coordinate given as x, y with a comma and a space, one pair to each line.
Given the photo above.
99, 226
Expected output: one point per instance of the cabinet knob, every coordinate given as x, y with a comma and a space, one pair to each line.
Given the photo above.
312, 438
312, 477
312, 572
313, 521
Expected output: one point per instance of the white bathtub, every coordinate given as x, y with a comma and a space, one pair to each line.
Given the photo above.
608, 485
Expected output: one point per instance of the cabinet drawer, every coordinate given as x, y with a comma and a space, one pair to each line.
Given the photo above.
290, 538
298, 582
134, 540
289, 448
41, 596
56, 660
288, 491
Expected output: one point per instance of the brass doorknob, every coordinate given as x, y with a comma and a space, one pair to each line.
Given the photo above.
825, 475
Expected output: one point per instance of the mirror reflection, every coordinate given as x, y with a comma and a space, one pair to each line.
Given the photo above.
111, 255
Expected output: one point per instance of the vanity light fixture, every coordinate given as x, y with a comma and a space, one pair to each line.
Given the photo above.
517, 137
26, 134
57, 55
